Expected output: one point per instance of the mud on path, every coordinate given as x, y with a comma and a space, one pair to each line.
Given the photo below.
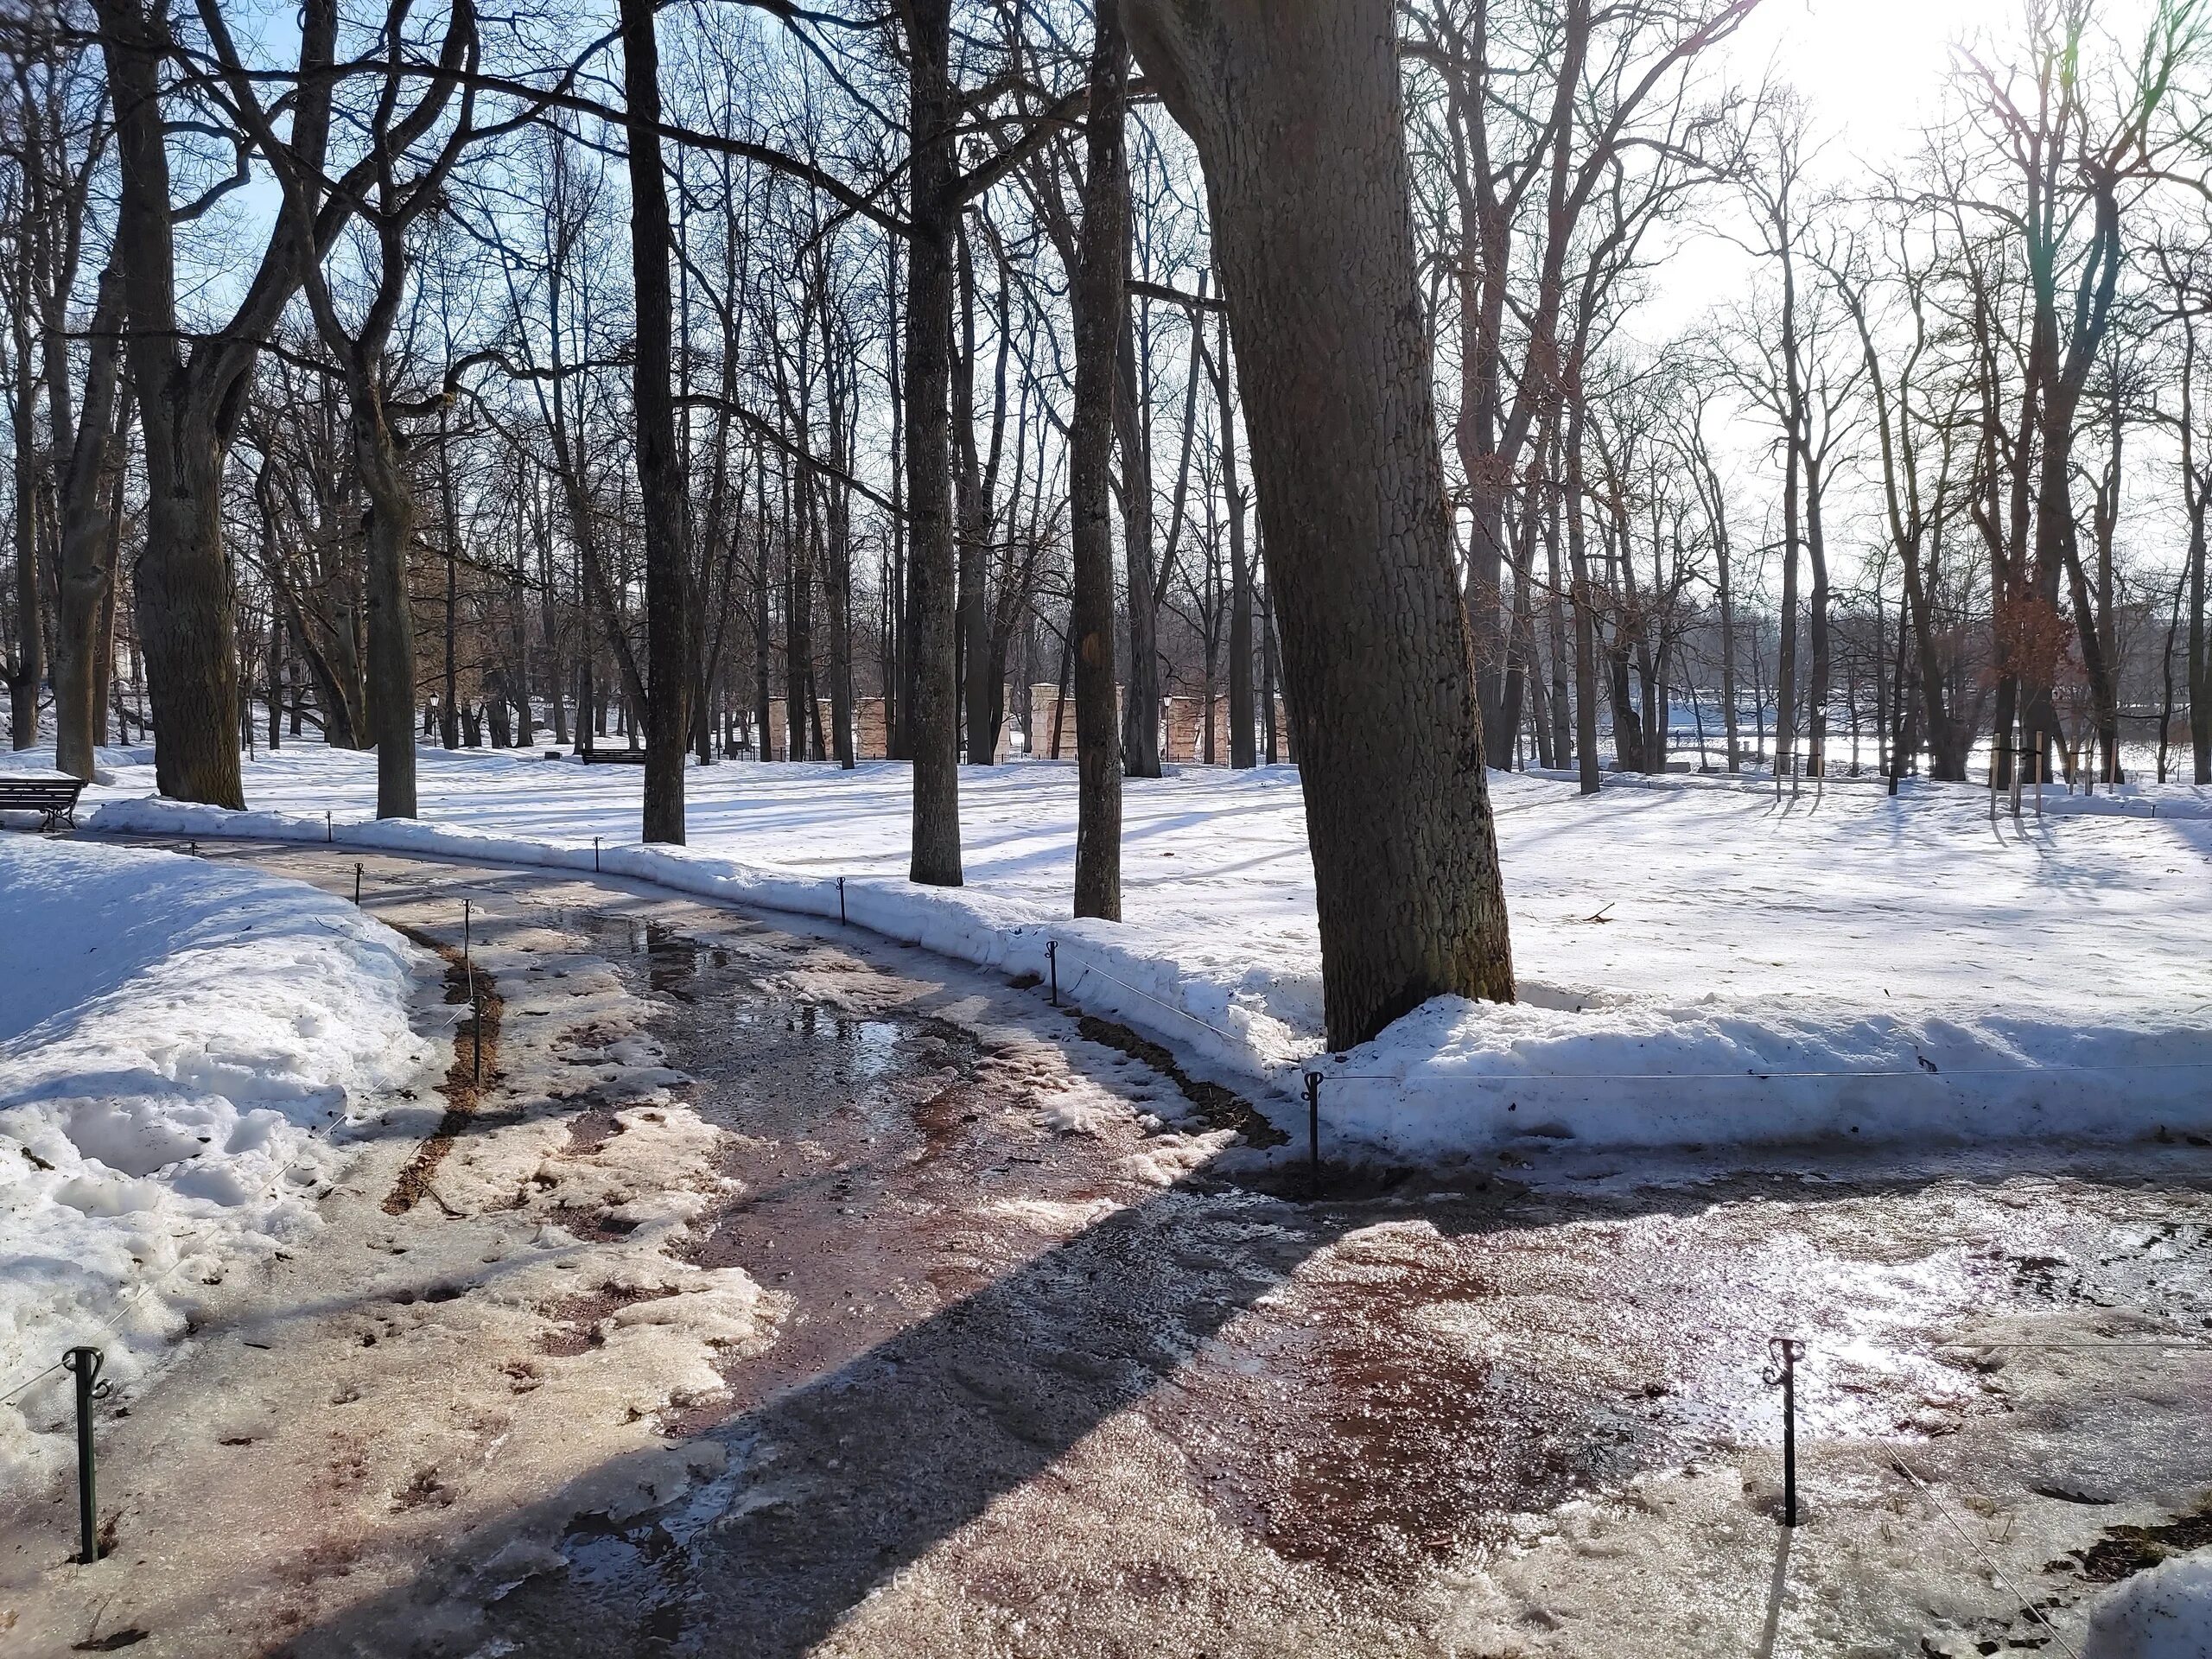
782, 1291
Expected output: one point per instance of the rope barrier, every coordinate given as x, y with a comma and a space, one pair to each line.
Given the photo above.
122, 1302
1093, 967
1996, 1572
104, 1325
9, 1399
2185, 1346
1768, 1077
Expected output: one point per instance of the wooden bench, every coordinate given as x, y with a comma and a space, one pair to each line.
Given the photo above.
54, 798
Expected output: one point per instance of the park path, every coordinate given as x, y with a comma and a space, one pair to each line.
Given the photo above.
775, 1290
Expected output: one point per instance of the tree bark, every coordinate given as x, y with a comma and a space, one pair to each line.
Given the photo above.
1140, 714
86, 585
1096, 296
188, 406
382, 465
837, 584
2196, 500
1586, 632
1817, 683
1296, 116
1243, 747
29, 670
670, 635
449, 700
933, 714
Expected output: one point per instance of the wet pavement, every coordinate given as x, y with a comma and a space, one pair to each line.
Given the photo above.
1068, 1368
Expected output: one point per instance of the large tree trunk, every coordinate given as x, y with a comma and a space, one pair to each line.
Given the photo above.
1096, 297
185, 600
933, 714
186, 612
384, 470
85, 591
670, 649
1296, 116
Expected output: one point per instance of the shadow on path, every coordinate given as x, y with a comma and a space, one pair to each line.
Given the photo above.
835, 1485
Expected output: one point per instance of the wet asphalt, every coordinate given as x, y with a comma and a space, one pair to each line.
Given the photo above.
1359, 1386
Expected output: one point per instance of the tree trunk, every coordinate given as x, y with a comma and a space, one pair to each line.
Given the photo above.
449, 700
1562, 710
982, 689
798, 616
671, 653
1816, 690
383, 467
933, 714
1097, 299
85, 589
1243, 748
1586, 632
837, 590
1720, 560
107, 698
1141, 715
2197, 488
1295, 113
186, 611
556, 669
29, 667
1271, 733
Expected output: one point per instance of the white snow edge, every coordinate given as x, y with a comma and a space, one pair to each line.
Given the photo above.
181, 1046
1453, 1077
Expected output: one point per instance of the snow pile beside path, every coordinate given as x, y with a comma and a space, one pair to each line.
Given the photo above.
1656, 1072
1699, 960
1251, 1019
176, 1039
2165, 1613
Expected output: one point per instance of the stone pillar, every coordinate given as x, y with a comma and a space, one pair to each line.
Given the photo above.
872, 743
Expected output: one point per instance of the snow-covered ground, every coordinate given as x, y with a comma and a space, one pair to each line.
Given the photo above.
2165, 1613
1700, 961
176, 1041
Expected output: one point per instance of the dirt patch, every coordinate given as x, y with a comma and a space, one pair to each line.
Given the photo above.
475, 1051
592, 1128
1218, 1107
2125, 1551
1360, 1429
595, 1226
579, 1318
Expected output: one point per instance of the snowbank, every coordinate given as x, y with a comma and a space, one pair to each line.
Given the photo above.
176, 1040
1699, 962
2165, 1613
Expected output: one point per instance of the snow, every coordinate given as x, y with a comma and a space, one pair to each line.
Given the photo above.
176, 1041
2165, 1613
1701, 962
